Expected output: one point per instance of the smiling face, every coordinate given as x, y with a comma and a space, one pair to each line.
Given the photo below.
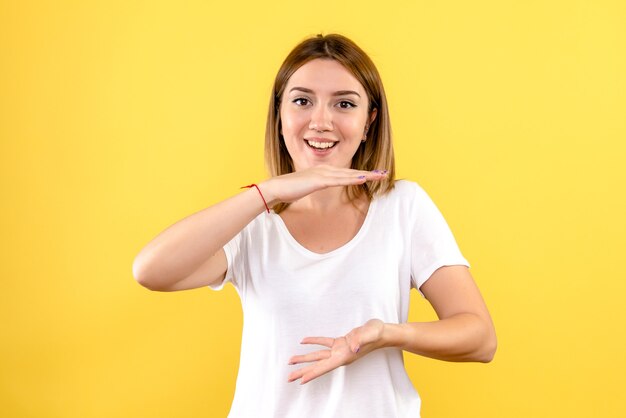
324, 115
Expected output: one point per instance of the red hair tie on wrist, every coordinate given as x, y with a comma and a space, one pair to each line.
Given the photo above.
257, 187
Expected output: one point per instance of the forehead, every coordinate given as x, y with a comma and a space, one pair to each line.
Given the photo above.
324, 76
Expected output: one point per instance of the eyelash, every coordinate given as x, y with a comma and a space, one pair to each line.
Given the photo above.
352, 105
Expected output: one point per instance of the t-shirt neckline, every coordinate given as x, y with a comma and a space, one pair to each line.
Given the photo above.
345, 247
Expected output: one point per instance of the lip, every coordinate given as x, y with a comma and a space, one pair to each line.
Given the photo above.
316, 139
319, 152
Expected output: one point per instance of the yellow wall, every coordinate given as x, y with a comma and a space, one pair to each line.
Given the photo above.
118, 118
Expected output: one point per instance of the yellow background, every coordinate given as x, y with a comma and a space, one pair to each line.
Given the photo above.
118, 118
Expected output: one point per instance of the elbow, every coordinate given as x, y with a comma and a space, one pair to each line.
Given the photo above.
145, 276
487, 355
484, 343
144, 282
489, 348
147, 284
141, 276
139, 272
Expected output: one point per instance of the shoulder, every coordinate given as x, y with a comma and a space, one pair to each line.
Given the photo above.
404, 190
407, 199
406, 186
401, 201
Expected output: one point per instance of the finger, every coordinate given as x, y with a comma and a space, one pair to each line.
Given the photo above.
316, 370
345, 181
377, 170
309, 373
370, 175
375, 174
294, 376
325, 341
351, 179
353, 340
305, 358
360, 176
350, 176
297, 374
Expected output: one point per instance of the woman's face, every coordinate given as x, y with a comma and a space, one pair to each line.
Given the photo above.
323, 114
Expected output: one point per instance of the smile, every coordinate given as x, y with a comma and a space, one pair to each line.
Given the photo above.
320, 145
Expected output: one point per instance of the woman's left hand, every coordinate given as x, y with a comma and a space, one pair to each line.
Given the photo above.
341, 351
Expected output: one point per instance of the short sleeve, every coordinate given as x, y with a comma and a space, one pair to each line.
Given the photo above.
232, 249
432, 242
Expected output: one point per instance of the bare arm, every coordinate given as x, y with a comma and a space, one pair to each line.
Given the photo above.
192, 248
189, 253
464, 331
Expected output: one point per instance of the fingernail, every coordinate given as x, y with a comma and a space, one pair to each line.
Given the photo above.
385, 172
361, 177
357, 350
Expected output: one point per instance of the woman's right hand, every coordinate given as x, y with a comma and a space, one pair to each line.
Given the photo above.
293, 186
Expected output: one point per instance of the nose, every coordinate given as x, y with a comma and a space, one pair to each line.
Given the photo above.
321, 119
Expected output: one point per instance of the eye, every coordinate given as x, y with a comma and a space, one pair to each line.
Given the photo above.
297, 101
343, 104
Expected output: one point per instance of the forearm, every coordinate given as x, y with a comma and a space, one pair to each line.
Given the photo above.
181, 248
461, 337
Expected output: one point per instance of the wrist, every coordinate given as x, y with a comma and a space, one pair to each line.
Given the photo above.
267, 193
260, 193
393, 335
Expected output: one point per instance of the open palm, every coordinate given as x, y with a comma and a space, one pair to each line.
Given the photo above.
340, 351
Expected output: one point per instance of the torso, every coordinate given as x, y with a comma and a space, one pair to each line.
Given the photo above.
324, 233
288, 294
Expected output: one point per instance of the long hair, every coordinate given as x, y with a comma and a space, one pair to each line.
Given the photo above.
375, 153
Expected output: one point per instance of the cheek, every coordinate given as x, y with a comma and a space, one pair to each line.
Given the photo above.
292, 122
354, 126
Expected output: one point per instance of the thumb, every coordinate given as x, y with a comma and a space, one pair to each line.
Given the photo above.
354, 340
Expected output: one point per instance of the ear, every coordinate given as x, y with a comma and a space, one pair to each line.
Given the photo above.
373, 115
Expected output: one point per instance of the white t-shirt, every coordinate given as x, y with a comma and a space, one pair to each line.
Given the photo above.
288, 292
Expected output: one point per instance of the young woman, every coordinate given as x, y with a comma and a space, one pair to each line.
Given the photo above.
324, 275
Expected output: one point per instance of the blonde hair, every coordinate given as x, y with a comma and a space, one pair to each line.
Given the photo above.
375, 153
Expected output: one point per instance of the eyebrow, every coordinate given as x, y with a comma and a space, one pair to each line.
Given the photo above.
337, 93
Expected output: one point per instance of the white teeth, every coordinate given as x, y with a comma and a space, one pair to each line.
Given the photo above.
320, 145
